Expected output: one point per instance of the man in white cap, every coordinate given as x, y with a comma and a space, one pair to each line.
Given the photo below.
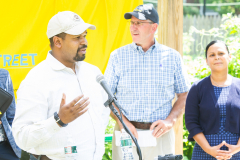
60, 112
145, 76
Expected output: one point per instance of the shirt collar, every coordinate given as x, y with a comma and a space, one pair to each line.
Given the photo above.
139, 48
57, 65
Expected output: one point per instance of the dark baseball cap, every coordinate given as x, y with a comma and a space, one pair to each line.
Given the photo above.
144, 12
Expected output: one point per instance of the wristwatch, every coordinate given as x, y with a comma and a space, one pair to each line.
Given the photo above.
58, 120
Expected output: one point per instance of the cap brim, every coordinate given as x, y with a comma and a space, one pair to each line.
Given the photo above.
79, 29
130, 14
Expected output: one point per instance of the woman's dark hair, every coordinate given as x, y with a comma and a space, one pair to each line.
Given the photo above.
212, 43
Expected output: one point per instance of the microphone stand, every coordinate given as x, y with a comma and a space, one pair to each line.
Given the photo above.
109, 103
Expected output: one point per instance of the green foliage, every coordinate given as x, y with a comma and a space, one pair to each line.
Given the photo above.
108, 145
110, 126
229, 32
187, 145
234, 68
199, 69
188, 40
108, 151
191, 10
235, 9
188, 10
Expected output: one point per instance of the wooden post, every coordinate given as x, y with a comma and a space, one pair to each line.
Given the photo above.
170, 33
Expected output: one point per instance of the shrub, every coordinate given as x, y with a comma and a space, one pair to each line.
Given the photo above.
108, 145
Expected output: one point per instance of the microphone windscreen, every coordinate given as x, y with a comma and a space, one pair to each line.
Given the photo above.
99, 78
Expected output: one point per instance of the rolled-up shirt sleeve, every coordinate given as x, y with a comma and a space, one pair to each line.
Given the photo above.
32, 125
192, 112
181, 83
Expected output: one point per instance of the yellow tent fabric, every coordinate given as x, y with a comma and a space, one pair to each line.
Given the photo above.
24, 42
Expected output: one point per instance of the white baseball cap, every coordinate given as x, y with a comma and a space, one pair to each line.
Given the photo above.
67, 22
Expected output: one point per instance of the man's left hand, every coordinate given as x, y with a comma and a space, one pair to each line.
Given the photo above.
161, 127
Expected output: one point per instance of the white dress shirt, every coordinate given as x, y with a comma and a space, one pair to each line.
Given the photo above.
39, 96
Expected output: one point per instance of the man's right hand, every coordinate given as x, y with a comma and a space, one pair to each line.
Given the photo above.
130, 127
69, 112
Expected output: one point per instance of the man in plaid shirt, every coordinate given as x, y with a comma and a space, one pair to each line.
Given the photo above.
145, 76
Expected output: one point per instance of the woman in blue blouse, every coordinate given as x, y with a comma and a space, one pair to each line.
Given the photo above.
8, 148
212, 113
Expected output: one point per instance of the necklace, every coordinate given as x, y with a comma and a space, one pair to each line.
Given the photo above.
218, 84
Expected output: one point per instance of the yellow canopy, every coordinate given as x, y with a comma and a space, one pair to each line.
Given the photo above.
24, 42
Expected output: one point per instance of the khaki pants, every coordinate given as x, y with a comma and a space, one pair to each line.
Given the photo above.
165, 145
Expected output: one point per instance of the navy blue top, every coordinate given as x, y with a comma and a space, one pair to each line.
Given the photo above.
223, 135
202, 110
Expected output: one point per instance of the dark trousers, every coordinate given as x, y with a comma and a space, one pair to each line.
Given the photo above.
6, 151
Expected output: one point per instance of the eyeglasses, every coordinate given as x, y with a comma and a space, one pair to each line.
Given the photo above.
138, 23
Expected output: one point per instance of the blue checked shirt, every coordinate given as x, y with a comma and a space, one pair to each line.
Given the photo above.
145, 83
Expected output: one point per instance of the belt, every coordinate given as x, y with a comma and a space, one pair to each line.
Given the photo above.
41, 157
141, 125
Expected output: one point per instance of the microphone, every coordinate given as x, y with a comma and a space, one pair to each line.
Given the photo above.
100, 79
112, 99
